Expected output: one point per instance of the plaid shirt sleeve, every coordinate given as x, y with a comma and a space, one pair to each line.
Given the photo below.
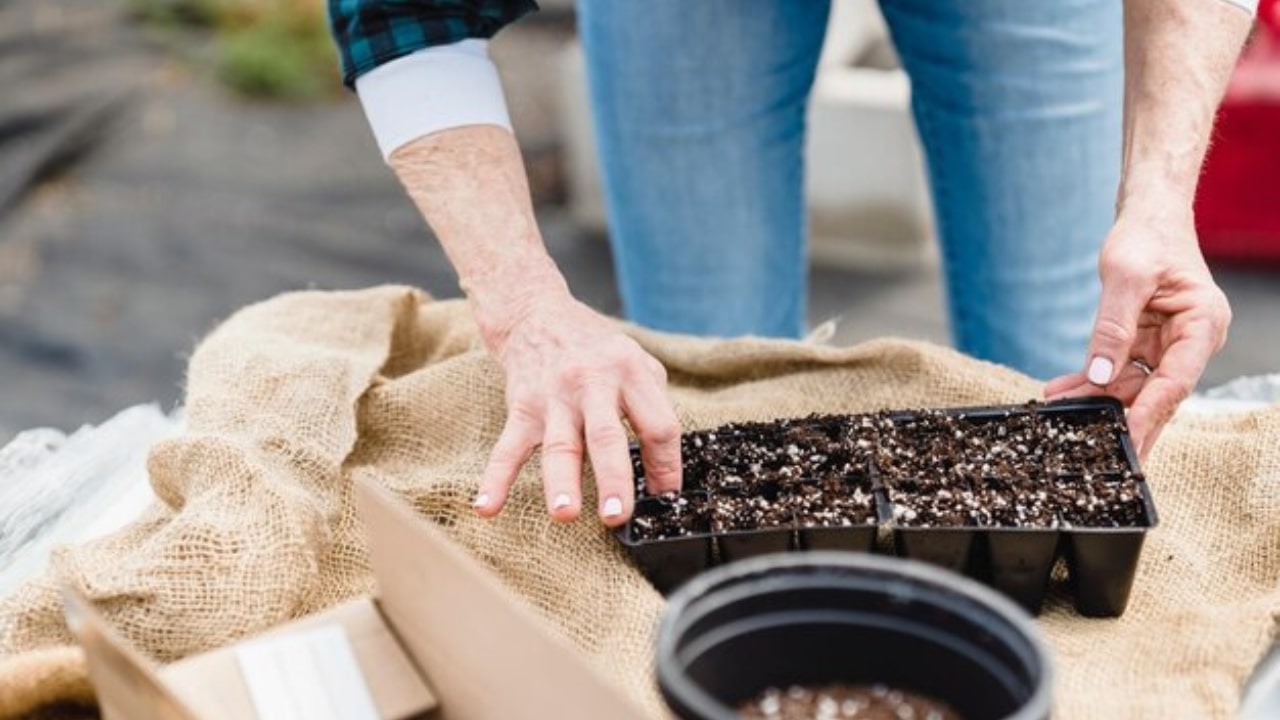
372, 32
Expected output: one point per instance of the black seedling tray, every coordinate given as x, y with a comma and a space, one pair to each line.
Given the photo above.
1011, 546
667, 562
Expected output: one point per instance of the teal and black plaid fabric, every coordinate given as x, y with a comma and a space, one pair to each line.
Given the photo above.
372, 32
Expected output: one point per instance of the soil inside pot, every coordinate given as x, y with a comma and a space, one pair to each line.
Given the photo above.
670, 516
856, 702
731, 512
834, 502
1108, 501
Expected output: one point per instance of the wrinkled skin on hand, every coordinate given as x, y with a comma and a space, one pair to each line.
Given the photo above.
1159, 305
572, 376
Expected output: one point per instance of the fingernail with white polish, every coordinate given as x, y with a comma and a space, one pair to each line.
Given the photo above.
481, 500
1100, 370
561, 501
612, 507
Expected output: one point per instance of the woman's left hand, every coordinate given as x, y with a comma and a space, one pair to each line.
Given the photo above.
1160, 320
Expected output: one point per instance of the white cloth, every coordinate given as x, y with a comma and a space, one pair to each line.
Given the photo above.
431, 90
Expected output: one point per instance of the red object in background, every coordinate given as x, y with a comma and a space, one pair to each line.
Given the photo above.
1238, 201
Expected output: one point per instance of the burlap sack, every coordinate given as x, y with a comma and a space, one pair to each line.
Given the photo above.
291, 399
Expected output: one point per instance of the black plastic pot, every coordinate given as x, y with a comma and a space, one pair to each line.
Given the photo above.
843, 618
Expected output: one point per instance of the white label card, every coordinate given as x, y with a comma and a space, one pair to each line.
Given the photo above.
311, 675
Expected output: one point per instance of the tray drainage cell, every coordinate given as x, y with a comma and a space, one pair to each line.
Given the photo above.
1103, 537
834, 514
747, 524
669, 537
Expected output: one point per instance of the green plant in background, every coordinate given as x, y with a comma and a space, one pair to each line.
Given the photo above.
283, 52
177, 13
276, 49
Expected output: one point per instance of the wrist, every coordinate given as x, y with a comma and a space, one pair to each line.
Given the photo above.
504, 296
1158, 179
1156, 208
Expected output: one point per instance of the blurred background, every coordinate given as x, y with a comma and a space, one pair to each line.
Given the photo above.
164, 162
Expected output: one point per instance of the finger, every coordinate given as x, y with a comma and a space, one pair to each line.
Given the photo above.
1149, 442
1059, 386
607, 444
510, 453
657, 369
562, 462
1127, 383
1084, 388
1179, 370
1125, 293
655, 422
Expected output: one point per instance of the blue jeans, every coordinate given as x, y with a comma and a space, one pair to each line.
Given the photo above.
699, 109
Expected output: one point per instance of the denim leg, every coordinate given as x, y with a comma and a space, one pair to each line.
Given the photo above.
1018, 104
699, 111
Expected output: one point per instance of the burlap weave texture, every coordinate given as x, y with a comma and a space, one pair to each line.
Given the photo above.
292, 398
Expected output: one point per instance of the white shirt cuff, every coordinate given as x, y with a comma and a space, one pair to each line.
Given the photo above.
430, 90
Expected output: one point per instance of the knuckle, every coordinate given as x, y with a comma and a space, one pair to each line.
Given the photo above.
1179, 389
1116, 262
606, 435
1223, 314
664, 466
562, 446
661, 434
1112, 331
583, 376
577, 372
656, 368
505, 458
523, 410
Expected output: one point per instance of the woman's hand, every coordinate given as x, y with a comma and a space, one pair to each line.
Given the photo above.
571, 376
1161, 317
571, 373
1160, 320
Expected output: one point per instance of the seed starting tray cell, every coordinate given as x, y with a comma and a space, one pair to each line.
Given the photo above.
998, 493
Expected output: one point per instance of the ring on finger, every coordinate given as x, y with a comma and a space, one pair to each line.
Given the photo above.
1142, 365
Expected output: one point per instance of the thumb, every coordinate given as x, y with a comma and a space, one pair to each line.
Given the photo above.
1115, 329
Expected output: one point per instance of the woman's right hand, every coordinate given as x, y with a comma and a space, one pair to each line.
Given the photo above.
571, 376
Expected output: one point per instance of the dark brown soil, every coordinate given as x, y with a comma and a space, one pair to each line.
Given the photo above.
844, 702
1029, 470
731, 512
989, 502
1023, 469
1108, 501
751, 455
670, 516
833, 502
1024, 445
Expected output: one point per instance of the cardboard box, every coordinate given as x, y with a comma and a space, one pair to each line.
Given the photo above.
442, 639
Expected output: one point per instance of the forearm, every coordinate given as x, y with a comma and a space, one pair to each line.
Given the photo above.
571, 375
1178, 57
470, 185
